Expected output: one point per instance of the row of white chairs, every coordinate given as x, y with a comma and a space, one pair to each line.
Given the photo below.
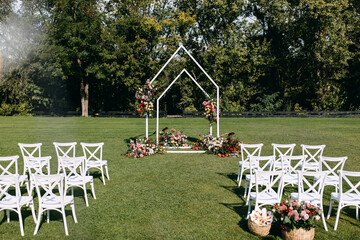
72, 172
269, 190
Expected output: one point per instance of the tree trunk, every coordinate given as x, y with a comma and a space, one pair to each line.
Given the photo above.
84, 91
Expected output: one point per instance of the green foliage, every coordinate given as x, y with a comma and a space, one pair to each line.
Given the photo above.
267, 103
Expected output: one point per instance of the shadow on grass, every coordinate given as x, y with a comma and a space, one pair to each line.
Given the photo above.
55, 216
231, 176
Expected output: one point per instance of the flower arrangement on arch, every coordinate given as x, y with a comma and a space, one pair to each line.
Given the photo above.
294, 215
210, 112
143, 147
145, 97
172, 138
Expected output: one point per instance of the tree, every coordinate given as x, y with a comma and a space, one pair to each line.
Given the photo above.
76, 31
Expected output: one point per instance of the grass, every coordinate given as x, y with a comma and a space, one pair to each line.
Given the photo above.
171, 196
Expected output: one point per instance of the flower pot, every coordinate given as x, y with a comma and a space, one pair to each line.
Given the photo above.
258, 230
298, 234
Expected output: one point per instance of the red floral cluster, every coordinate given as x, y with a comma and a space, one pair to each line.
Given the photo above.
145, 97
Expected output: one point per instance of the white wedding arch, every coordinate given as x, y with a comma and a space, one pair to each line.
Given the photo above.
193, 79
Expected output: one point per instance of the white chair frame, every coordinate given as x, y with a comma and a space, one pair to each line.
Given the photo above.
49, 200
267, 196
9, 163
29, 150
15, 202
75, 175
262, 163
290, 169
37, 166
313, 152
326, 164
311, 192
247, 150
346, 198
64, 150
93, 153
280, 150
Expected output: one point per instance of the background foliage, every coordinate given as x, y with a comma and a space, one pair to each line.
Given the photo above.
264, 55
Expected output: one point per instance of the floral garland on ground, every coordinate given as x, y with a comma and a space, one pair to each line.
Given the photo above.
173, 138
145, 97
143, 147
210, 112
223, 146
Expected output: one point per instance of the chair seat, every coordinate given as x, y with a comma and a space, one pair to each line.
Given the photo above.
314, 198
251, 178
279, 165
348, 198
96, 163
329, 180
266, 197
76, 180
310, 165
11, 201
291, 178
55, 201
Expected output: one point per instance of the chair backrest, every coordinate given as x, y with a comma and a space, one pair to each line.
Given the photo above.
291, 164
260, 163
30, 150
248, 150
349, 184
273, 186
8, 165
38, 165
65, 149
52, 186
7, 182
332, 165
309, 185
280, 150
313, 152
92, 151
73, 166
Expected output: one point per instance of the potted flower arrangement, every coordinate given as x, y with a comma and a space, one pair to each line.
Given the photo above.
260, 221
297, 220
172, 138
139, 148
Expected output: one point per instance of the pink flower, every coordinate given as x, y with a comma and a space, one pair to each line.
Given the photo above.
306, 216
295, 213
141, 155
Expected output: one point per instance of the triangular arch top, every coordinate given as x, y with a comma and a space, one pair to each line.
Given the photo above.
192, 58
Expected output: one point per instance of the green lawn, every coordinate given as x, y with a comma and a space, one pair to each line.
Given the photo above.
172, 196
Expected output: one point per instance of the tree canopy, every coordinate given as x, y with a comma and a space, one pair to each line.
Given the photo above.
94, 54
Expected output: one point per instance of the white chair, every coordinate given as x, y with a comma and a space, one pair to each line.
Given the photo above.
9, 166
332, 165
279, 151
93, 154
310, 190
50, 191
291, 166
247, 150
267, 192
262, 163
14, 202
313, 152
75, 170
348, 195
37, 166
29, 150
64, 150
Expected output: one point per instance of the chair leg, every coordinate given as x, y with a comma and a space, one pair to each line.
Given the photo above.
38, 221
102, 175
337, 217
64, 220
323, 220
357, 212
107, 172
240, 178
85, 195
33, 212
246, 185
249, 208
72, 205
21, 222
330, 207
93, 189
48, 216
8, 215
